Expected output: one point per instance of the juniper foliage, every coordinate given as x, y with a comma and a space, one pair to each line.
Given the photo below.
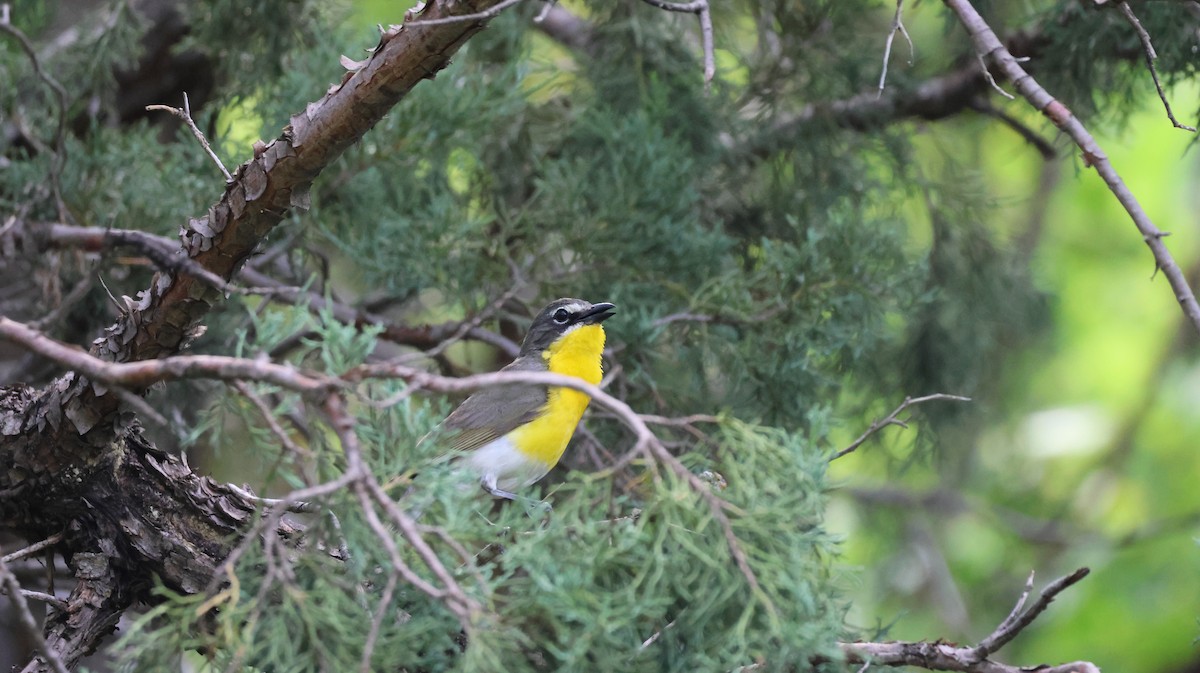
765, 271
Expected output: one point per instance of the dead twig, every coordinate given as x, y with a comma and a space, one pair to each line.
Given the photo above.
989, 46
943, 656
891, 419
897, 27
186, 115
410, 19
32, 549
1017, 620
16, 596
1151, 56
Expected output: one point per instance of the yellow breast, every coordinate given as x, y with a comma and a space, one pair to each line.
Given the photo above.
575, 354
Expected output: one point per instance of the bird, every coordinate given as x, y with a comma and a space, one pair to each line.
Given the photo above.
509, 437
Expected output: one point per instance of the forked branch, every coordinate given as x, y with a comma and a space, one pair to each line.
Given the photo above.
943, 656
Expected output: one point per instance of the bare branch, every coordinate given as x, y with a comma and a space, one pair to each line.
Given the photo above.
1015, 623
1151, 56
989, 46
370, 495
645, 441
28, 623
141, 375
987, 74
186, 115
1043, 146
897, 27
385, 600
943, 656
32, 549
891, 419
484, 15
273, 425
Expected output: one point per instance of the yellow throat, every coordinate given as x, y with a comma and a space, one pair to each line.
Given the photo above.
576, 353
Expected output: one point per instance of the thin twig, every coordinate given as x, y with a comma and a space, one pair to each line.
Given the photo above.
186, 115
33, 548
474, 323
891, 419
547, 6
988, 44
143, 374
276, 429
377, 622
276, 512
17, 598
680, 420
1043, 146
701, 10
43, 597
1151, 56
486, 14
1015, 623
288, 505
370, 495
897, 27
60, 100
987, 74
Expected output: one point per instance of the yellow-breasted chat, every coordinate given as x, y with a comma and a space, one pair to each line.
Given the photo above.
511, 436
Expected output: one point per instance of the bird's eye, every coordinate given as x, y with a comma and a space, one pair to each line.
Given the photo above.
561, 316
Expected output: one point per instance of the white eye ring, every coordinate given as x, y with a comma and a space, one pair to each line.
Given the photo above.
561, 316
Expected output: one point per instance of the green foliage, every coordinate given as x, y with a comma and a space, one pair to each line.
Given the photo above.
575, 590
796, 278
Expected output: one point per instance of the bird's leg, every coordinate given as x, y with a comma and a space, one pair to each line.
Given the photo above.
488, 482
533, 506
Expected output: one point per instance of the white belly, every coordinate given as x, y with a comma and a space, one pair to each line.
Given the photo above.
502, 465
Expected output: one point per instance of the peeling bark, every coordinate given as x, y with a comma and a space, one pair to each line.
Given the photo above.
75, 462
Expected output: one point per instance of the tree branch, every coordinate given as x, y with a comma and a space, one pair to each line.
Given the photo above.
891, 419
16, 595
277, 180
1151, 56
143, 374
942, 656
73, 463
185, 114
990, 47
36, 237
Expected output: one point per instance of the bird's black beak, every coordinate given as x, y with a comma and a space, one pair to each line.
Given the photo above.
598, 313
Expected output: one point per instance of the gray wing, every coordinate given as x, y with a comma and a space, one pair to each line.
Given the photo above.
492, 413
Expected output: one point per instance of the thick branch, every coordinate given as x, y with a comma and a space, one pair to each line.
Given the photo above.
266, 188
73, 463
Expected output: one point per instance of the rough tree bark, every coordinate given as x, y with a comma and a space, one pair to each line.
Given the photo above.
77, 462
